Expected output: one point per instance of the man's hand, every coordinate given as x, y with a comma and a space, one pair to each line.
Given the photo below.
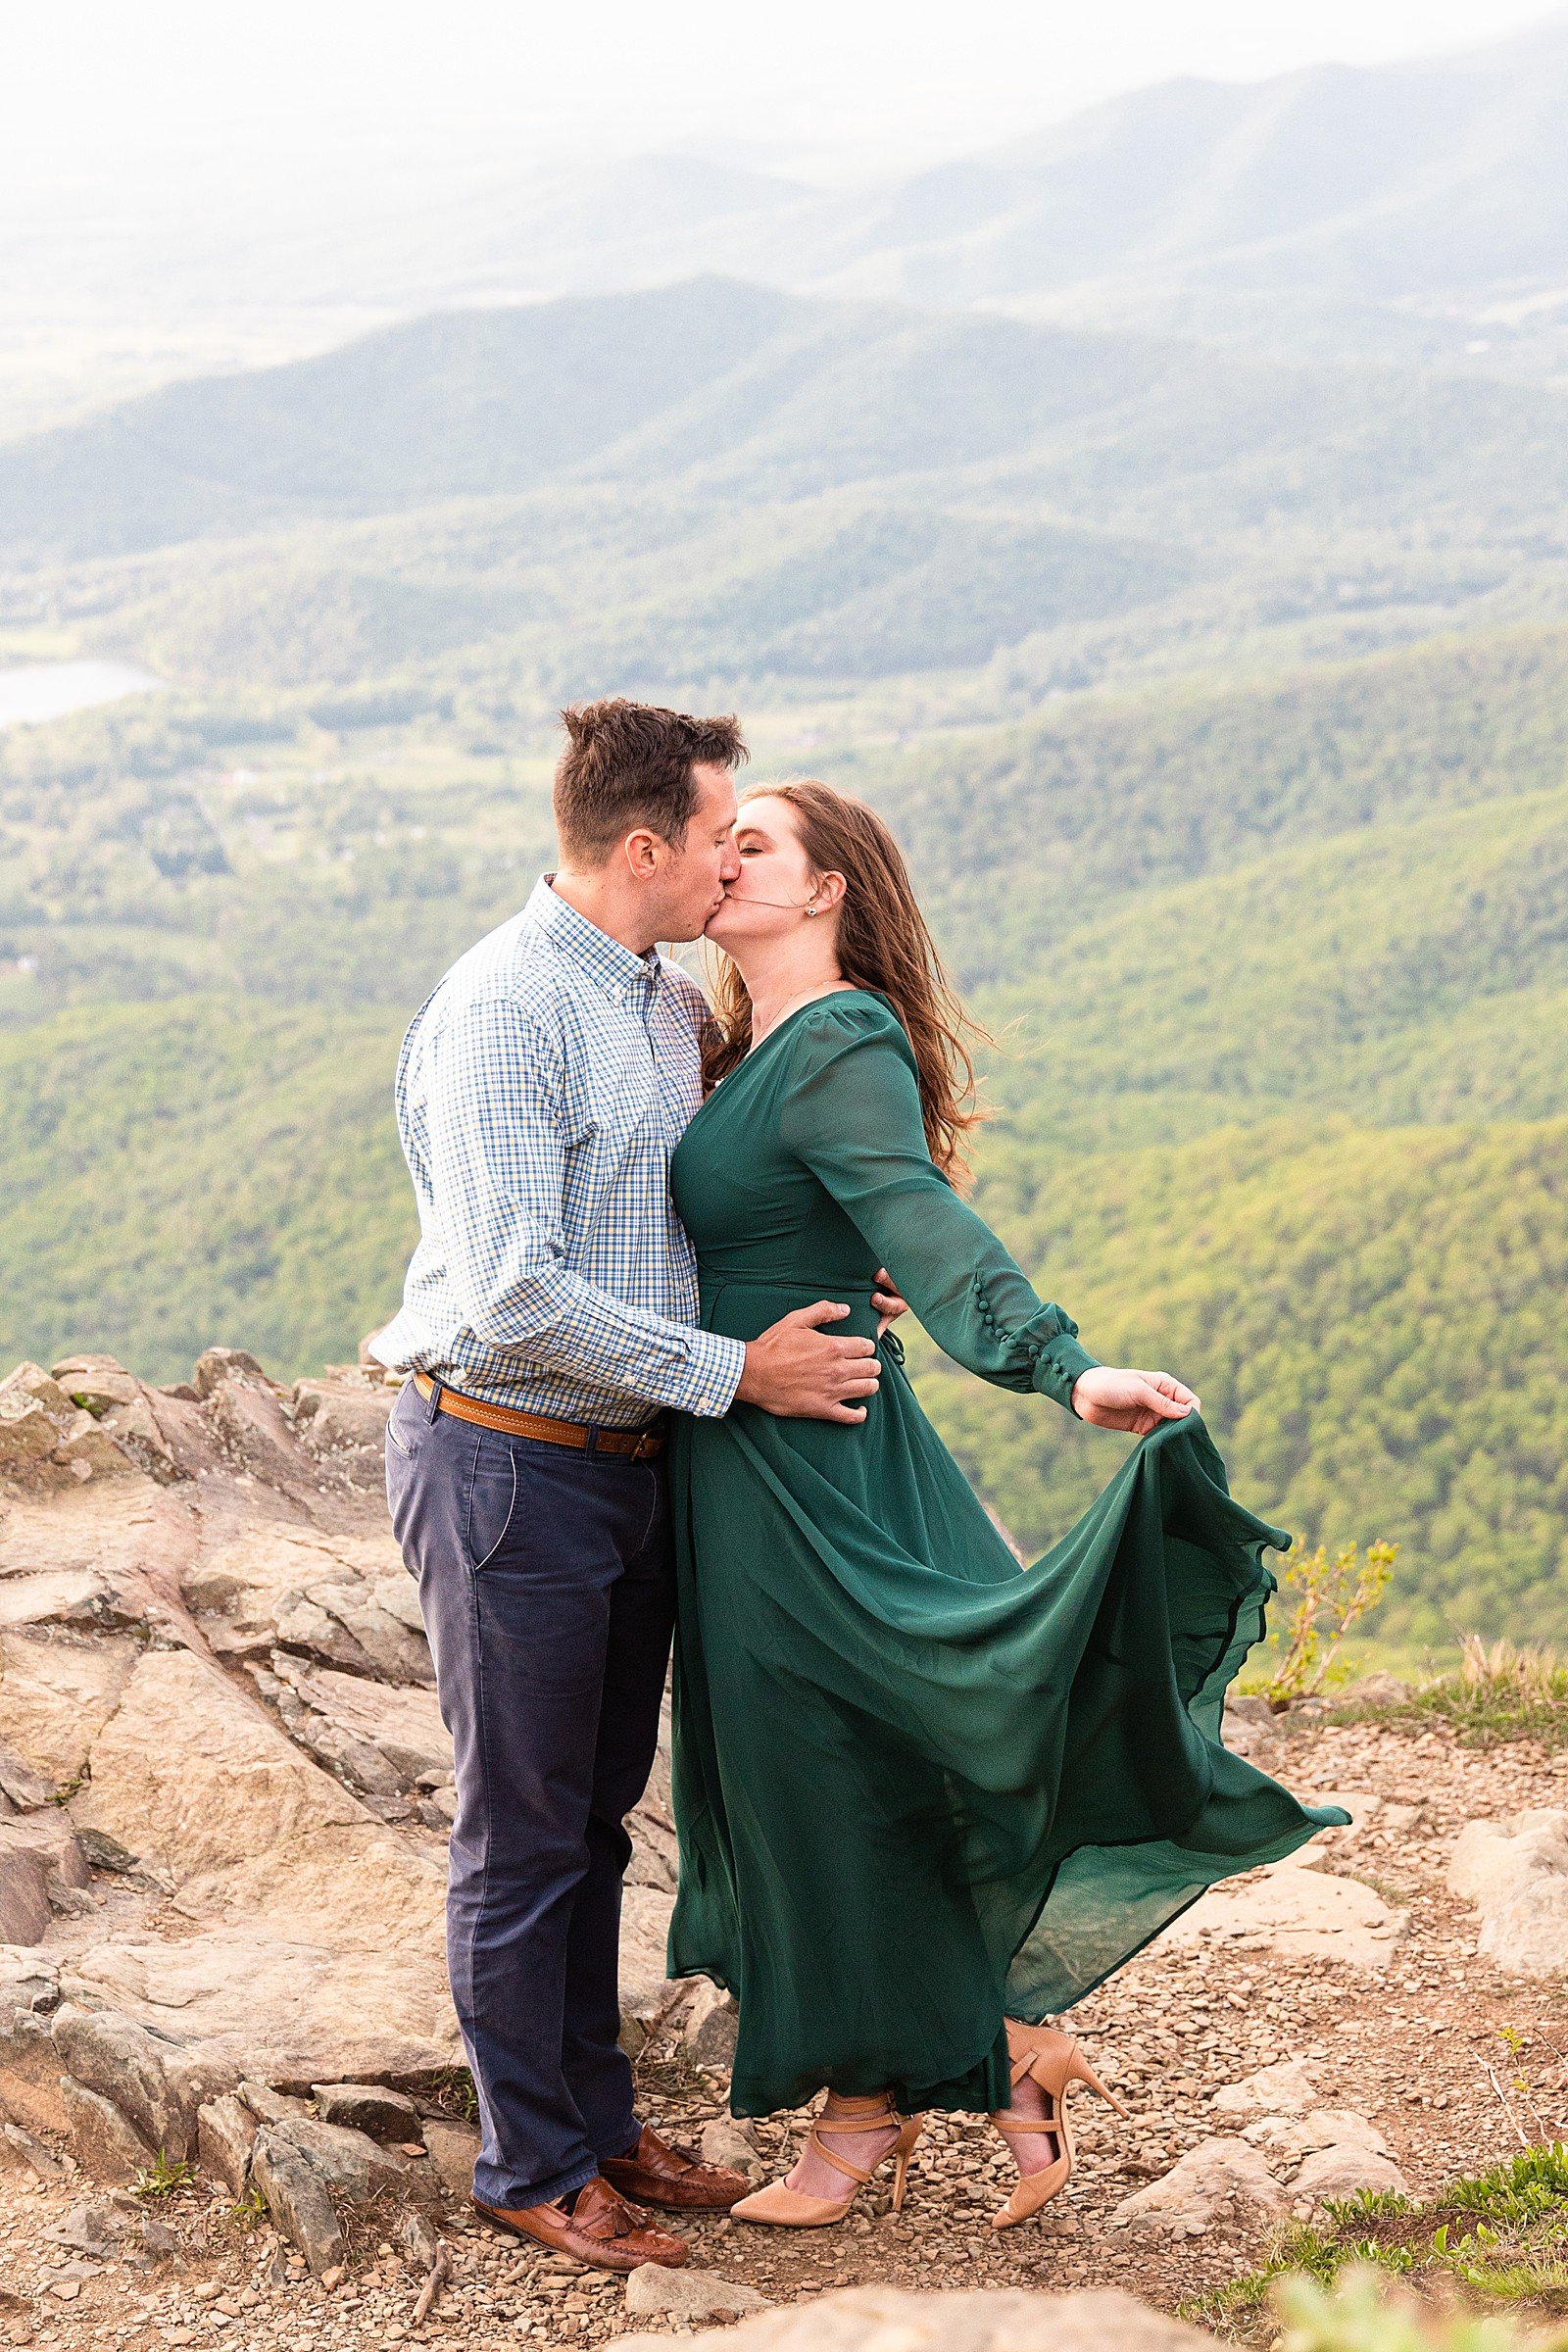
887, 1301
1133, 1400
797, 1370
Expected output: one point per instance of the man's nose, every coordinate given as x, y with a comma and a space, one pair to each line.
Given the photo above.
729, 865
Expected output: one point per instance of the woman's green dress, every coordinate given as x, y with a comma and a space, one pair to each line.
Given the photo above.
917, 1788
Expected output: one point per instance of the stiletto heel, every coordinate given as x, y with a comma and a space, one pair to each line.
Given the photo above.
1055, 2061
1080, 2071
903, 2156
788, 2208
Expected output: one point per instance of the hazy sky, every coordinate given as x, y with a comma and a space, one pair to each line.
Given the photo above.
301, 92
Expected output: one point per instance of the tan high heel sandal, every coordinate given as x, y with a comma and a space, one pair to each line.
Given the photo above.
788, 2209
1052, 2060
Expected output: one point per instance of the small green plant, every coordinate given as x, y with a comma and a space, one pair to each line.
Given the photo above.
162, 2179
1327, 1598
1359, 2315
452, 2087
1501, 2237
251, 2209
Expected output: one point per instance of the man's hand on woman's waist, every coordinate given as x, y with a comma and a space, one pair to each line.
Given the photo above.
803, 1373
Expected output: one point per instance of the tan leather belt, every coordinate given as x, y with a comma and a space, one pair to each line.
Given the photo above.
636, 1444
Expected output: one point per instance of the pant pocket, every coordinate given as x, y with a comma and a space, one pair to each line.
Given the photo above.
491, 1500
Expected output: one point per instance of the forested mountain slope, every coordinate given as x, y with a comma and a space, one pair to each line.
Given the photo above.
1281, 973
727, 390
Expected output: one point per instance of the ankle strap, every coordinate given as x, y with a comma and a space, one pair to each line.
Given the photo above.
859, 2117
839, 2164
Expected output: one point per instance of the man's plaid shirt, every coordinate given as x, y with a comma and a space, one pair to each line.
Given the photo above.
540, 1093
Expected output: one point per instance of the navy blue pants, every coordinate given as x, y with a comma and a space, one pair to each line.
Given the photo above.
547, 1590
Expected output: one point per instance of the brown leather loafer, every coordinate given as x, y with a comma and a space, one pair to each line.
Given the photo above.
602, 2229
657, 2173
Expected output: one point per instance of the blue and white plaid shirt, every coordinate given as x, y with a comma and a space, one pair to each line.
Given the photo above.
541, 1091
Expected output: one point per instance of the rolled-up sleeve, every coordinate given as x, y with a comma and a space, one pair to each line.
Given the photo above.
497, 1140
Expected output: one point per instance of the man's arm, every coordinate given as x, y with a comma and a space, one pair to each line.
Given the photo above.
497, 1166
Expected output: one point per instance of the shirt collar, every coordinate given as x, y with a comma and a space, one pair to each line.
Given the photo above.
617, 967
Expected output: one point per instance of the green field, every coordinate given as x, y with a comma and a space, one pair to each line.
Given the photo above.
1223, 708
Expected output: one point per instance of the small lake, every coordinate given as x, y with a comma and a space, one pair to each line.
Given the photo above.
50, 689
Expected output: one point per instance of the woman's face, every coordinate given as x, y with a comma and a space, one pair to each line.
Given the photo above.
768, 898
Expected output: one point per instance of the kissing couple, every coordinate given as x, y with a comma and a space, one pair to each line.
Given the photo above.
926, 1799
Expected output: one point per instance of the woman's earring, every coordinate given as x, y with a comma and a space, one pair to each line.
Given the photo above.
811, 911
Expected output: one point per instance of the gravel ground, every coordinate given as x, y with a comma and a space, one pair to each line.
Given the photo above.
1432, 2050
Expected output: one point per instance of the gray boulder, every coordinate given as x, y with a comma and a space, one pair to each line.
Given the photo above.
103, 2140
225, 2139
29, 2069
1346, 2169
297, 2199
368, 2107
302, 2165
1516, 1874
91, 2229
157, 2085
24, 1912
1214, 2181
454, 2151
351, 2162
687, 2295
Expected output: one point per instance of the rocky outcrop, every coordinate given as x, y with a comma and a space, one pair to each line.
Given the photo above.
1292, 2155
224, 1792
885, 2319
1208, 2183
1516, 1874
688, 2295
1303, 1907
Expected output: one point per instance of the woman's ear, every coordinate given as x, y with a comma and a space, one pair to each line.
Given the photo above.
828, 891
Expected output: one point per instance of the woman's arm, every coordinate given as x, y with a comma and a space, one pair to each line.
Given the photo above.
852, 1113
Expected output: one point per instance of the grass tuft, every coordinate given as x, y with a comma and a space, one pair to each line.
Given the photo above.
1497, 2238
1499, 1692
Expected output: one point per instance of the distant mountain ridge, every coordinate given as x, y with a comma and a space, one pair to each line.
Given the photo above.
1405, 188
1415, 211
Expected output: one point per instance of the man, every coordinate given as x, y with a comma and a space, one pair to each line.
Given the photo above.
548, 1318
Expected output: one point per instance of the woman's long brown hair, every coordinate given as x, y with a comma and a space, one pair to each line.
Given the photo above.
883, 944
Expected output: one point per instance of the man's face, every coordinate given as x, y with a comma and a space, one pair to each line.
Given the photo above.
692, 878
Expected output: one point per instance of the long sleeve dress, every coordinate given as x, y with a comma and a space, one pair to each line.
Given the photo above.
919, 1790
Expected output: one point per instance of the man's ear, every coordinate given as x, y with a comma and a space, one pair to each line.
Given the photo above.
643, 852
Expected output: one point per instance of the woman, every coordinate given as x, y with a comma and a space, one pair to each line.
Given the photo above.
924, 1799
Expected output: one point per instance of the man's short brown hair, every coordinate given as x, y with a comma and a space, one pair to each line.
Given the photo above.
627, 765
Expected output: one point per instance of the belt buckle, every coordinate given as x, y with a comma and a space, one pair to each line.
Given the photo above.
646, 1447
